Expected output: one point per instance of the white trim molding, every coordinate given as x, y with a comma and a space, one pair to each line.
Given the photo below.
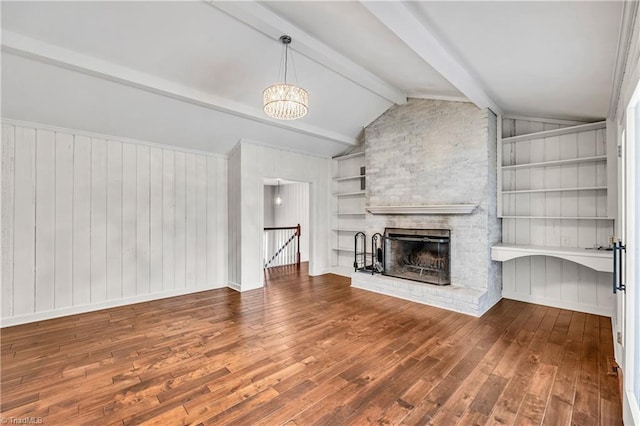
234, 286
75, 310
626, 49
555, 303
424, 209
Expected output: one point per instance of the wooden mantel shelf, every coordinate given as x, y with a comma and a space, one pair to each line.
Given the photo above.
599, 260
424, 209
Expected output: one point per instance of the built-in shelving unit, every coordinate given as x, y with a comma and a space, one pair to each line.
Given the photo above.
553, 177
556, 198
349, 193
554, 174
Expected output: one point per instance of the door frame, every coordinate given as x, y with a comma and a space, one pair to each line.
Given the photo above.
631, 238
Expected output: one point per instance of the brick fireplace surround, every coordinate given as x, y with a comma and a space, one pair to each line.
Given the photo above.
432, 152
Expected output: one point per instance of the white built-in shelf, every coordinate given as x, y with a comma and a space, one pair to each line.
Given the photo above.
349, 194
553, 171
556, 132
346, 157
558, 217
523, 191
340, 179
349, 249
599, 260
348, 211
598, 158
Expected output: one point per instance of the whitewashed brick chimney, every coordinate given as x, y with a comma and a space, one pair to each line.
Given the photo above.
439, 152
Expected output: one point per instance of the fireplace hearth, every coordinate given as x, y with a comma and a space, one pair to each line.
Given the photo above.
418, 254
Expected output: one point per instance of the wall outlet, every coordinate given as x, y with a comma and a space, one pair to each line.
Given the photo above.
565, 241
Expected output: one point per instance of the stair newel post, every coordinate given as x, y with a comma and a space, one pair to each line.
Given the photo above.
298, 246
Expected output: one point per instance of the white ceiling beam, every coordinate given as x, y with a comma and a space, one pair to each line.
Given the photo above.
399, 19
272, 25
48, 53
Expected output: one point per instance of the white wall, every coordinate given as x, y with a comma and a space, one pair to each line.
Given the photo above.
269, 206
294, 210
255, 163
234, 215
91, 221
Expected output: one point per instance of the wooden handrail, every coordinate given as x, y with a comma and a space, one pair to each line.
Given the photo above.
283, 227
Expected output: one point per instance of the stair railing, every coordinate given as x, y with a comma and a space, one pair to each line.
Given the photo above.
281, 246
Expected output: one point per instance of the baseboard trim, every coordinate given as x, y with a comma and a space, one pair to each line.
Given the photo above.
321, 272
561, 304
74, 310
234, 286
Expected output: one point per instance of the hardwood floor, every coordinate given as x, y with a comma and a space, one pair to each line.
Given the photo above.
307, 351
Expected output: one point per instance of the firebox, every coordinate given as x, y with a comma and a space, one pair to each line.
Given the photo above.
418, 254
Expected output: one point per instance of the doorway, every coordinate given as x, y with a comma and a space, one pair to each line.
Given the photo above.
286, 223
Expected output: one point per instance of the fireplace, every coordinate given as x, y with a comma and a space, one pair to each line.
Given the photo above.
418, 254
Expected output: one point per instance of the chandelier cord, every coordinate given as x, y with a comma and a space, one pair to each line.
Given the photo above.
286, 59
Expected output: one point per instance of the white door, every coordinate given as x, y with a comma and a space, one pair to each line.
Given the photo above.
630, 234
620, 296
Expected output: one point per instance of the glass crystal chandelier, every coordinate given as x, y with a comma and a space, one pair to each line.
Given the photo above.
285, 101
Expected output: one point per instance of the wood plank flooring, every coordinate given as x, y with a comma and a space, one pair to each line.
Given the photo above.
307, 351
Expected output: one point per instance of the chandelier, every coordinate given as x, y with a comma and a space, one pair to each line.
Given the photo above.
278, 200
285, 101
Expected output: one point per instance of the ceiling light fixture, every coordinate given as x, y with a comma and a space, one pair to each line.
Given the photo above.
285, 101
278, 200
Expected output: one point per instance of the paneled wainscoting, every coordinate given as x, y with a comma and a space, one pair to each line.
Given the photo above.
307, 351
91, 221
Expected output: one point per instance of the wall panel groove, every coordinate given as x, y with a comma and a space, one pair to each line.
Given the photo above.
92, 222
7, 215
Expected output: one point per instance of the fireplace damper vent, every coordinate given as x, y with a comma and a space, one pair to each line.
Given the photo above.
418, 254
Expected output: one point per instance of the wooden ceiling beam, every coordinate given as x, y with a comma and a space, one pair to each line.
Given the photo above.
48, 53
403, 23
272, 25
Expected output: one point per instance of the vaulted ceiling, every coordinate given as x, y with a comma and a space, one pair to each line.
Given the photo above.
191, 74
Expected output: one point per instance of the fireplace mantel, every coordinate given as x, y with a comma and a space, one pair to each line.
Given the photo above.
424, 209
